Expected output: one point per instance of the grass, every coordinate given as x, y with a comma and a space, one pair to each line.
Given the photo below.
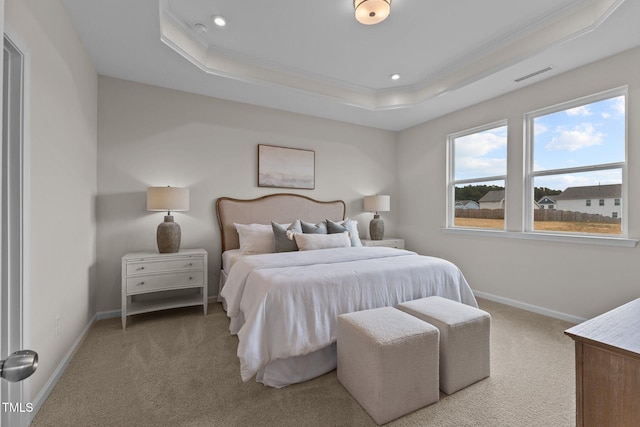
571, 227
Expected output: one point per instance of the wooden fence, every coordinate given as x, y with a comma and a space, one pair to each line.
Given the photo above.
540, 215
480, 213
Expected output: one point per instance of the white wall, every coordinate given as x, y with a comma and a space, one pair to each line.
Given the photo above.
150, 136
580, 280
63, 148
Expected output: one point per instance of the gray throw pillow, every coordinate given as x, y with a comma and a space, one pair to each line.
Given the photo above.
346, 225
282, 242
319, 228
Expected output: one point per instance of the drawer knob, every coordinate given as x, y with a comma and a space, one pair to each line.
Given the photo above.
141, 283
190, 278
190, 264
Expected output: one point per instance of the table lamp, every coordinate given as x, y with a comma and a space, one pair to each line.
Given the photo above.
377, 204
168, 199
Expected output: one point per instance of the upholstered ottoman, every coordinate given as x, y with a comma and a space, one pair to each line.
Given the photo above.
464, 339
388, 361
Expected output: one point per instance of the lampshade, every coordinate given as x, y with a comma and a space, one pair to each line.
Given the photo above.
167, 199
369, 12
377, 203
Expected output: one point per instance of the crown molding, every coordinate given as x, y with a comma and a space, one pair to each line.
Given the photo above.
575, 20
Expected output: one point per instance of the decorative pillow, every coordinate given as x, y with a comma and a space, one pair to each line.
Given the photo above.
307, 242
347, 225
319, 228
255, 238
282, 243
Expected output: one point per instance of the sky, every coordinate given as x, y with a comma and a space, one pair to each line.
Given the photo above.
586, 135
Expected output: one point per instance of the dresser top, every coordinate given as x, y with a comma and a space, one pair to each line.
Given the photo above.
617, 329
149, 254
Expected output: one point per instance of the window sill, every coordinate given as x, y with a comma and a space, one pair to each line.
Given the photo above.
549, 237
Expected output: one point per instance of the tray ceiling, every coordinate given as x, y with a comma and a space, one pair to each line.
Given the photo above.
315, 58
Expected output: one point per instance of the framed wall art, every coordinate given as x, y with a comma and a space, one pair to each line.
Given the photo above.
286, 167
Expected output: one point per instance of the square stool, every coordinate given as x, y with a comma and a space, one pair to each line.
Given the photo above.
465, 333
388, 361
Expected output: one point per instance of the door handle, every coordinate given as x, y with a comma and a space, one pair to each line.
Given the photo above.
19, 365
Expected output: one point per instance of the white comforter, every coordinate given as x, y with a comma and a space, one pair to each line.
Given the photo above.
287, 304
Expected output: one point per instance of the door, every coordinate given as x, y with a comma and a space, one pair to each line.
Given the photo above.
16, 364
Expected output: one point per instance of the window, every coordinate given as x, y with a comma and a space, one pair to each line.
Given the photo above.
614, 214
578, 148
477, 171
616, 202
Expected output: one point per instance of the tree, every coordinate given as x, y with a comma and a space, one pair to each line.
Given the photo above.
540, 192
475, 192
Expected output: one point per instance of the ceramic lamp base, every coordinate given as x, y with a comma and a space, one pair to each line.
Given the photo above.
376, 228
168, 236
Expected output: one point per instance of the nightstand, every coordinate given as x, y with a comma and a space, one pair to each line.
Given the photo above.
389, 242
153, 281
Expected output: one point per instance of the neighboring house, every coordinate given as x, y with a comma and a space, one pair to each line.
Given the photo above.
547, 202
492, 200
605, 200
467, 204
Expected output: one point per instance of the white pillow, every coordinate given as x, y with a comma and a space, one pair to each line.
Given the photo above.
307, 242
255, 238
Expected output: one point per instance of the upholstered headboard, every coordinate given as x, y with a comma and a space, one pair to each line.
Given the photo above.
281, 207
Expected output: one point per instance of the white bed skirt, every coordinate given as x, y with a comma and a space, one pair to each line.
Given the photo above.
283, 372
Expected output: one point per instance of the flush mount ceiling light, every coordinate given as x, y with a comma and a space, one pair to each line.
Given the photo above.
219, 20
369, 12
395, 76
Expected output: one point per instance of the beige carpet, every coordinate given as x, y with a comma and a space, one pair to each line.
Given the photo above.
179, 368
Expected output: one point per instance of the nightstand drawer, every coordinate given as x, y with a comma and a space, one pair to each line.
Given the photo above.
144, 267
155, 282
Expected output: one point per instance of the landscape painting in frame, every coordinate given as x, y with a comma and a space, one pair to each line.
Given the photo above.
286, 167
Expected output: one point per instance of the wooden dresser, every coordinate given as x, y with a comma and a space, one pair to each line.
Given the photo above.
608, 368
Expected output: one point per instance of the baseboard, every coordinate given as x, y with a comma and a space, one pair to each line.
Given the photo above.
101, 315
53, 379
530, 307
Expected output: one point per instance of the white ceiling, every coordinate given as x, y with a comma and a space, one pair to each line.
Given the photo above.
315, 58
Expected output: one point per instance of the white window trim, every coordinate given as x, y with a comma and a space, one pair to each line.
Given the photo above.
604, 240
530, 174
451, 182
528, 233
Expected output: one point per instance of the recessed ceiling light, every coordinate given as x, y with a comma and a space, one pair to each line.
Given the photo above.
395, 76
219, 20
201, 28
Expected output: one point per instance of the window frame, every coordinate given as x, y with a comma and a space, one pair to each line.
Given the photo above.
530, 174
452, 182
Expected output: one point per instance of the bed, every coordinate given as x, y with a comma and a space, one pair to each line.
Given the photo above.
283, 306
